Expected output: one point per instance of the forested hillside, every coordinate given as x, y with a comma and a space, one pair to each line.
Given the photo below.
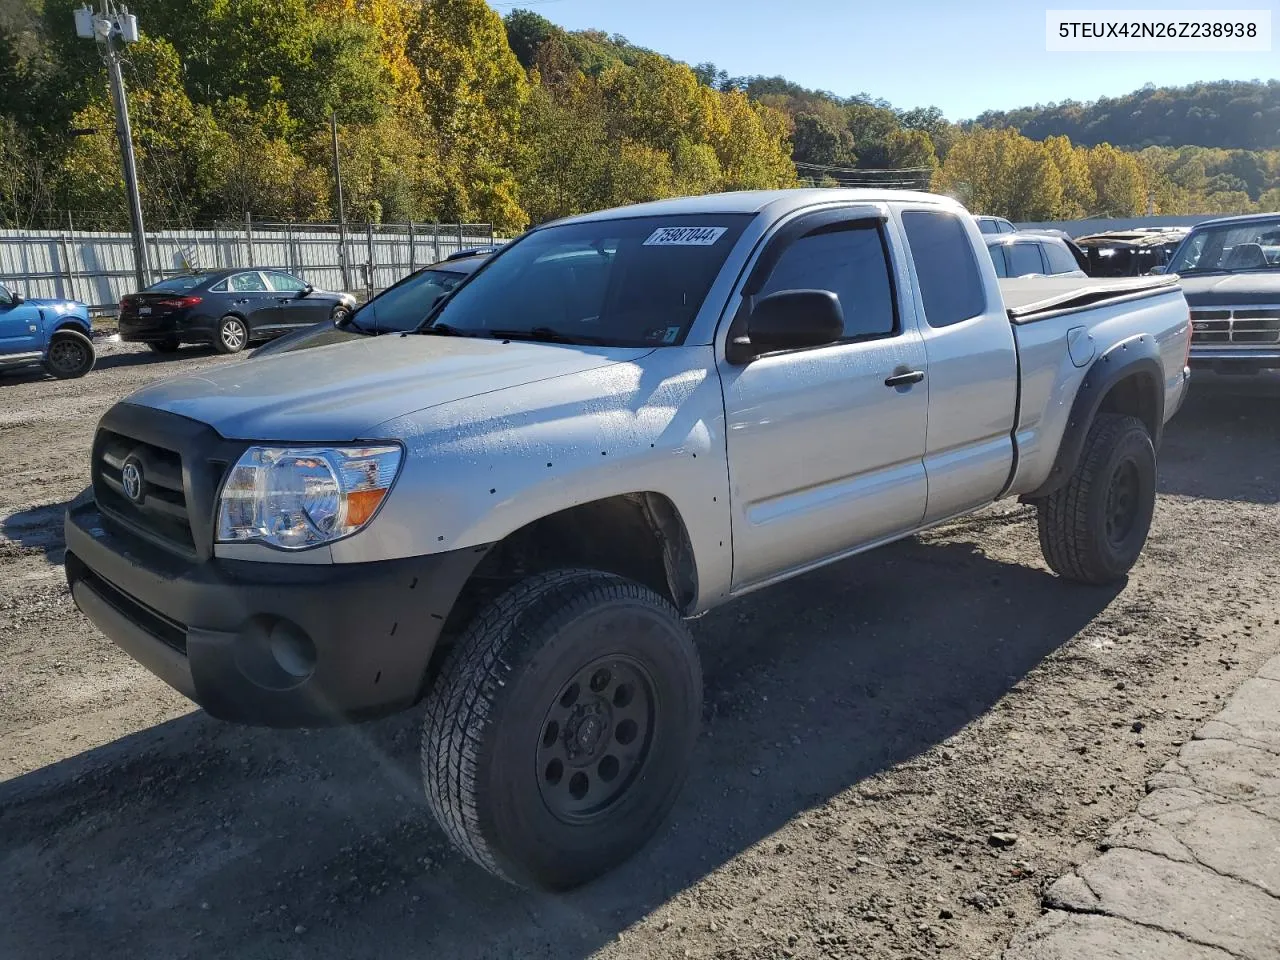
449, 112
1225, 115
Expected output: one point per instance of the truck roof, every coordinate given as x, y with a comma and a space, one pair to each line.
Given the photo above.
1242, 218
779, 202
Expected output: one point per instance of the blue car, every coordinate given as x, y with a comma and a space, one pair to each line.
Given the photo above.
52, 333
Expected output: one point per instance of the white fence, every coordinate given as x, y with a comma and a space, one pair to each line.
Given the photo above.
98, 268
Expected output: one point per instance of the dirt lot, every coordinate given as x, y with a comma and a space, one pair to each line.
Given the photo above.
869, 728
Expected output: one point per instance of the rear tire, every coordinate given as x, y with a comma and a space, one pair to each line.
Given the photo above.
232, 335
165, 346
1093, 529
70, 355
560, 729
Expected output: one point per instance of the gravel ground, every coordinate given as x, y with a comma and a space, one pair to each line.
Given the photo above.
899, 751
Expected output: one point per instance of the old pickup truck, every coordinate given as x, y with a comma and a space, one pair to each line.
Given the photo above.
617, 423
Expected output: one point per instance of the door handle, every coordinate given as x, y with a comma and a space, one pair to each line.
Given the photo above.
904, 379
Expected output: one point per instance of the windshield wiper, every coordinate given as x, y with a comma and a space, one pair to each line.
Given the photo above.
548, 335
444, 330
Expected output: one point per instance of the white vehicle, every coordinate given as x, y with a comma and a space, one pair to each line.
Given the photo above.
617, 423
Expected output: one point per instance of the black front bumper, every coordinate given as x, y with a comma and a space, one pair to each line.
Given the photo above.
270, 644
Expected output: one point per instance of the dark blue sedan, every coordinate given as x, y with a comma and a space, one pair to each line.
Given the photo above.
228, 309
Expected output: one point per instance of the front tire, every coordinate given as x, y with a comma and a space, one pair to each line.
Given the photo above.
1093, 529
339, 315
70, 355
232, 334
560, 729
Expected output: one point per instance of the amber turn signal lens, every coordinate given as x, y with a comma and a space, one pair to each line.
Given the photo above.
362, 504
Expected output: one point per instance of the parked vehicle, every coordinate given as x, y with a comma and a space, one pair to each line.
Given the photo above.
56, 334
1230, 270
624, 420
228, 309
1026, 254
990, 225
1130, 253
398, 309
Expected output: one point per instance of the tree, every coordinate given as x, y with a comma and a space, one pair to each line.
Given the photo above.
1001, 173
1073, 172
1117, 182
473, 89
909, 150
526, 33
818, 141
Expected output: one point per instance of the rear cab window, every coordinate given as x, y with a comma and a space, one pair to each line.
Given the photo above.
1060, 258
946, 268
1024, 259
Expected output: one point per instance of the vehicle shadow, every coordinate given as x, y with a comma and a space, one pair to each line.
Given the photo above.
199, 839
1224, 444
37, 528
115, 359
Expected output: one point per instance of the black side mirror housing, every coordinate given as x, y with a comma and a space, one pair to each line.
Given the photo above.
305, 290
794, 319
17, 300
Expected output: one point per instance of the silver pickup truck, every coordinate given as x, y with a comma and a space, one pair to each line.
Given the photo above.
619, 422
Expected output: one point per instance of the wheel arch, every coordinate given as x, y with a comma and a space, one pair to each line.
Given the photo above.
75, 325
1128, 378
641, 536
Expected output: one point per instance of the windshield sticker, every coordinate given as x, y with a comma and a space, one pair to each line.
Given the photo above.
672, 335
684, 236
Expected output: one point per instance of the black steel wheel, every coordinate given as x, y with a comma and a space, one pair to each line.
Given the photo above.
232, 335
561, 727
70, 355
1093, 529
596, 738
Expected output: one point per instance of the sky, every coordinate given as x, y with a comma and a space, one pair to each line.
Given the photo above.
964, 57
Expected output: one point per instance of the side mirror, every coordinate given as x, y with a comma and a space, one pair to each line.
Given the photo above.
793, 319
306, 290
16, 299
1160, 268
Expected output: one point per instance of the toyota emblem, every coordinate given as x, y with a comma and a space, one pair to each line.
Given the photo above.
131, 479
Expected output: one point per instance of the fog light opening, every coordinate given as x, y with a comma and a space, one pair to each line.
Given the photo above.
292, 650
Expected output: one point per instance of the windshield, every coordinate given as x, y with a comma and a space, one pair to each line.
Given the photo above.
404, 306
1230, 248
632, 282
179, 284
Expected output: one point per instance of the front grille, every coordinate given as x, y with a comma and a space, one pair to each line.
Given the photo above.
1241, 326
157, 505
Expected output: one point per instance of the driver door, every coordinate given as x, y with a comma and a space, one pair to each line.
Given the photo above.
294, 306
825, 456
19, 325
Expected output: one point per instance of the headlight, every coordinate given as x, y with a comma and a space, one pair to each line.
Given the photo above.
296, 497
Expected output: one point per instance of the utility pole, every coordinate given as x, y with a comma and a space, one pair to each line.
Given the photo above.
342, 216
111, 27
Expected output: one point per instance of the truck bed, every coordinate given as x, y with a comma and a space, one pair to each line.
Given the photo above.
1028, 299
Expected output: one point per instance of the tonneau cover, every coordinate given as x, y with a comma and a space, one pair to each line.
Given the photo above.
1031, 298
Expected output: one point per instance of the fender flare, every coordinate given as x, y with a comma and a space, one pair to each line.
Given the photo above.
1138, 355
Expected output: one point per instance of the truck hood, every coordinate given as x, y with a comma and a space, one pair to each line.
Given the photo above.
57, 306
343, 391
1232, 289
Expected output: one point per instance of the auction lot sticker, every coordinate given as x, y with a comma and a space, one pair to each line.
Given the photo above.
684, 236
1157, 31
